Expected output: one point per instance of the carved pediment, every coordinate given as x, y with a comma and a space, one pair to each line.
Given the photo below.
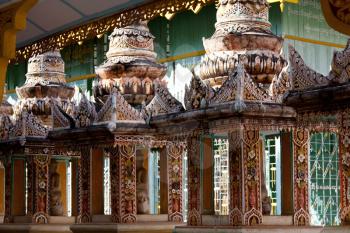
301, 75
28, 124
239, 86
197, 95
60, 118
85, 113
340, 71
116, 108
280, 85
163, 103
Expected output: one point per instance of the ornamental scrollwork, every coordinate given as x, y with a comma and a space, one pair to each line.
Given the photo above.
164, 8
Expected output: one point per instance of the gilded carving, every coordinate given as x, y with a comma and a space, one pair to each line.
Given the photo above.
164, 8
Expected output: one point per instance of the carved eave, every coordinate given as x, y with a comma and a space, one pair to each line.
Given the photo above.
163, 103
27, 125
327, 98
117, 109
302, 76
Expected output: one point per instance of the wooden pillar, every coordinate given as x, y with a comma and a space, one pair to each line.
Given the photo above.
2, 188
75, 186
344, 167
235, 169
252, 177
84, 186
97, 165
41, 207
174, 157
163, 176
194, 181
18, 187
286, 173
208, 176
123, 183
8, 218
301, 184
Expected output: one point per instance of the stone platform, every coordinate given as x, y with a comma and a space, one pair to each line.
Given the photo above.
261, 229
147, 227
152, 227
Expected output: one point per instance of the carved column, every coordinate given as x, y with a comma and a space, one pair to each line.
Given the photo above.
84, 185
127, 181
174, 157
114, 169
41, 189
235, 169
252, 177
194, 184
344, 166
8, 218
301, 185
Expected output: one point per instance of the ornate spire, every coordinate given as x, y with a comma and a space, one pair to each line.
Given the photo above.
242, 35
130, 66
45, 80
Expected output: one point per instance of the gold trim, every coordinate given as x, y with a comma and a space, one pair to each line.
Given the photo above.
311, 41
182, 56
282, 2
82, 77
164, 8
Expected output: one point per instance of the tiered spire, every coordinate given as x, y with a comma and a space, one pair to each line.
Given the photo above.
242, 35
131, 65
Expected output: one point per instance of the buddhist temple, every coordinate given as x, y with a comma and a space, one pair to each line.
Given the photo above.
174, 116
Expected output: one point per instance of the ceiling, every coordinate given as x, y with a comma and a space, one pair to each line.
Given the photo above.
51, 16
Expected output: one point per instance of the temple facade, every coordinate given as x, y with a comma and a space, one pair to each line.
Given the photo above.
258, 140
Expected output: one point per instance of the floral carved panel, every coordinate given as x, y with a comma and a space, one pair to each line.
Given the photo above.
344, 158
252, 178
174, 157
301, 184
235, 158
